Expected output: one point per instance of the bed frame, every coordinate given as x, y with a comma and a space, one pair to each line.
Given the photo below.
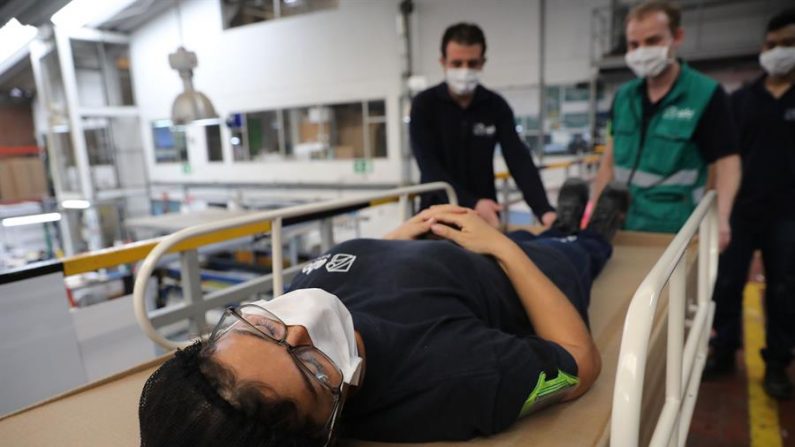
656, 289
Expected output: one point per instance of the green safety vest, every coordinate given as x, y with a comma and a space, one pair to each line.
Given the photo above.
661, 164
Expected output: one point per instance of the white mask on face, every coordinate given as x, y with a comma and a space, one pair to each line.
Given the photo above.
648, 62
462, 81
779, 61
328, 322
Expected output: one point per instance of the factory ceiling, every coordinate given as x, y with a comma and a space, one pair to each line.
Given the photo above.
29, 12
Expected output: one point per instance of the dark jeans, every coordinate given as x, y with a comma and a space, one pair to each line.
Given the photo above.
587, 253
777, 241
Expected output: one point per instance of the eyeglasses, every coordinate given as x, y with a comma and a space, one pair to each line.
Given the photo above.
311, 361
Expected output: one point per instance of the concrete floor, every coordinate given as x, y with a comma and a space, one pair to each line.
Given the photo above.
725, 416
721, 417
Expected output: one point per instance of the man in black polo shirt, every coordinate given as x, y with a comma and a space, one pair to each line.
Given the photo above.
456, 125
764, 212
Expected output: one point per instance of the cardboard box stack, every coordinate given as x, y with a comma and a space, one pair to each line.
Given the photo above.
22, 178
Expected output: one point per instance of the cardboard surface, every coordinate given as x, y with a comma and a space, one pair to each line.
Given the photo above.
105, 413
22, 178
8, 187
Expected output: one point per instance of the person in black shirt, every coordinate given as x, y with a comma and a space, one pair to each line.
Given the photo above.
459, 335
764, 212
456, 125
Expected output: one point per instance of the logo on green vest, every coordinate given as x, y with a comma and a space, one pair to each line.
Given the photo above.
679, 113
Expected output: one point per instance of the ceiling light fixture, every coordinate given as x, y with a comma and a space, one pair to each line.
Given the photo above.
191, 104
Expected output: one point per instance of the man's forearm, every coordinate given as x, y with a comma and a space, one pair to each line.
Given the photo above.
552, 315
542, 299
728, 173
605, 173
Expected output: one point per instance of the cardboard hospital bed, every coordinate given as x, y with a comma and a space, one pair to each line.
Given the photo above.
105, 413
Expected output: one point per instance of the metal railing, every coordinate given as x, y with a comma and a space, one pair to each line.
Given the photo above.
685, 359
196, 304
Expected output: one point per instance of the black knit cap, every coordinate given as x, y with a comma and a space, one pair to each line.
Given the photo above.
180, 406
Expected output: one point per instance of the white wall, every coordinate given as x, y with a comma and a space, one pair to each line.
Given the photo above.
347, 54
512, 38
330, 56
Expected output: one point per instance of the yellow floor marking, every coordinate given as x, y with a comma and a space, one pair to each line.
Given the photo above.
762, 409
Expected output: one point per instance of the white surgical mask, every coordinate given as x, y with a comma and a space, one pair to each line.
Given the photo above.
648, 62
328, 322
779, 61
462, 81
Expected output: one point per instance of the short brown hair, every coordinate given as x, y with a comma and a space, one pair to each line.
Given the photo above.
671, 10
465, 34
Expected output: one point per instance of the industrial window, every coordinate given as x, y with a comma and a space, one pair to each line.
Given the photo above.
343, 131
169, 142
212, 135
103, 74
266, 134
245, 12
567, 119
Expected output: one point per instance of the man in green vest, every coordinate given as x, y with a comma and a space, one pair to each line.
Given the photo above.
669, 128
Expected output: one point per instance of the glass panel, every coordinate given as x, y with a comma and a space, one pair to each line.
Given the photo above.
531, 123
552, 101
310, 129
76, 223
103, 74
347, 135
97, 141
378, 140
244, 12
115, 155
213, 137
170, 143
576, 94
62, 151
119, 58
294, 7
323, 132
376, 109
125, 135
575, 120
100, 154
263, 130
53, 84
236, 137
286, 133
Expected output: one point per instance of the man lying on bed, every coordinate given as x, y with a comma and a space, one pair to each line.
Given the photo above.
422, 340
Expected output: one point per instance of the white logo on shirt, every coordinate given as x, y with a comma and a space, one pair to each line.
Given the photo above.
341, 262
314, 264
789, 115
482, 130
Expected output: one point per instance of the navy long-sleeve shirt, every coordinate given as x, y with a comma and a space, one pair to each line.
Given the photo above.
456, 145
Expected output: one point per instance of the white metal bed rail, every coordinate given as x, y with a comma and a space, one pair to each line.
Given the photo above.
197, 303
685, 359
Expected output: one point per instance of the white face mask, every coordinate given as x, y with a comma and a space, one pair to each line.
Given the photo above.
328, 322
648, 62
779, 61
462, 81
